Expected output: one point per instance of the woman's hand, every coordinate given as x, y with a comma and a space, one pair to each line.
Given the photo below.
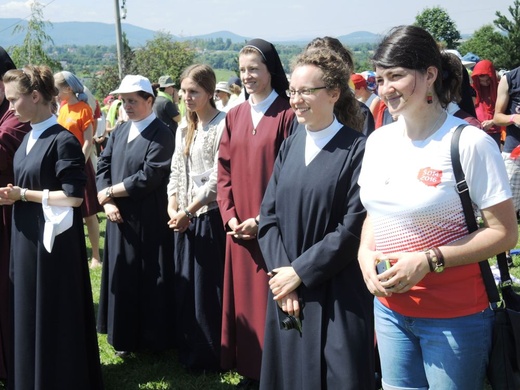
487, 124
290, 304
179, 221
7, 197
246, 230
284, 280
112, 212
367, 262
408, 270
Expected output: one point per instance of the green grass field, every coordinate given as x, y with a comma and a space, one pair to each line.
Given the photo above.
157, 371
224, 74
162, 371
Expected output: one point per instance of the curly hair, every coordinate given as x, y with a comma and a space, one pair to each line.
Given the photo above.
336, 74
333, 44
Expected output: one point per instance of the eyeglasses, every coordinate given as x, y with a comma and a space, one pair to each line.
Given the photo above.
302, 92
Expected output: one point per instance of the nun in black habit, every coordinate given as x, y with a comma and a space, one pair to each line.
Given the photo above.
136, 300
310, 224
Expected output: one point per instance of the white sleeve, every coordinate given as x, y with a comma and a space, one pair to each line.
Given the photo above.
484, 168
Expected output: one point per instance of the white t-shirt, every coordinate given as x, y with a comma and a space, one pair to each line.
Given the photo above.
408, 186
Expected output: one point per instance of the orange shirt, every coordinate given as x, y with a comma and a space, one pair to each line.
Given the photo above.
76, 118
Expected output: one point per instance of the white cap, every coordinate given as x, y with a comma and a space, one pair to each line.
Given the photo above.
134, 83
222, 86
467, 64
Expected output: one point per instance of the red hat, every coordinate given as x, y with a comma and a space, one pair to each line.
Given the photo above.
358, 80
108, 99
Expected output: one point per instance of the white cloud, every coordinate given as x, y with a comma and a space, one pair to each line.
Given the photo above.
16, 9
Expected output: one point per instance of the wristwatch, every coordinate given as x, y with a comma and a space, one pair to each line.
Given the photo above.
109, 192
437, 260
188, 214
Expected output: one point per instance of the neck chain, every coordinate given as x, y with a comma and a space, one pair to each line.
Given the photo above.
432, 129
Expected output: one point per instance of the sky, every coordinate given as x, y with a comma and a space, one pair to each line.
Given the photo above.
268, 19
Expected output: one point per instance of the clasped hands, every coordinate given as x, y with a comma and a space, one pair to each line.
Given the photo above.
246, 230
408, 269
283, 283
9, 195
179, 221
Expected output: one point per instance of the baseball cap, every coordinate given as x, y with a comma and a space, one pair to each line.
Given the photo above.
166, 81
134, 83
465, 62
358, 80
235, 80
108, 99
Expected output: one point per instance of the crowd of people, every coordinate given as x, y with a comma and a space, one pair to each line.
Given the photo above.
303, 229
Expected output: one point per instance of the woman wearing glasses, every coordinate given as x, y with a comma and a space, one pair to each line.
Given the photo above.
252, 136
310, 240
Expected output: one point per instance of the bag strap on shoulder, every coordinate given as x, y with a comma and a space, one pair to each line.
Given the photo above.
467, 207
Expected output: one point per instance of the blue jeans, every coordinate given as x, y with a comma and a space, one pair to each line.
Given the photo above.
433, 353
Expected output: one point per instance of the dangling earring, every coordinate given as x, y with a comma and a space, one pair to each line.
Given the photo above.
429, 97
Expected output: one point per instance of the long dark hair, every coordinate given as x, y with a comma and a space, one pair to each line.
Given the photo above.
414, 48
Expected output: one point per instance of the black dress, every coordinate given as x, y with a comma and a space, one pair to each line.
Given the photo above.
311, 219
55, 341
12, 132
136, 303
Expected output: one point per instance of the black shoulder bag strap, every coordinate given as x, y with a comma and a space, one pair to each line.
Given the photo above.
463, 191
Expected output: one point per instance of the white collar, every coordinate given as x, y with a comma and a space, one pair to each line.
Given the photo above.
39, 128
329, 131
264, 104
144, 123
137, 127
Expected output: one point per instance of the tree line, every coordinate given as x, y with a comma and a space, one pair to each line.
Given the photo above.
97, 65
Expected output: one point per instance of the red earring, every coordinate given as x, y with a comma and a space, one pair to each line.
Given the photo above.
429, 97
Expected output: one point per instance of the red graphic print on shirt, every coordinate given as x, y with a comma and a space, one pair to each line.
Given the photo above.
429, 176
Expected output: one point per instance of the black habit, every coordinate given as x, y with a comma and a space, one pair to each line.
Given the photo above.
311, 219
136, 301
55, 341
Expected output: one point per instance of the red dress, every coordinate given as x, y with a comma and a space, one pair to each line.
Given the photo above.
245, 165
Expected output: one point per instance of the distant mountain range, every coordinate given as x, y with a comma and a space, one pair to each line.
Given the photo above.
104, 34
